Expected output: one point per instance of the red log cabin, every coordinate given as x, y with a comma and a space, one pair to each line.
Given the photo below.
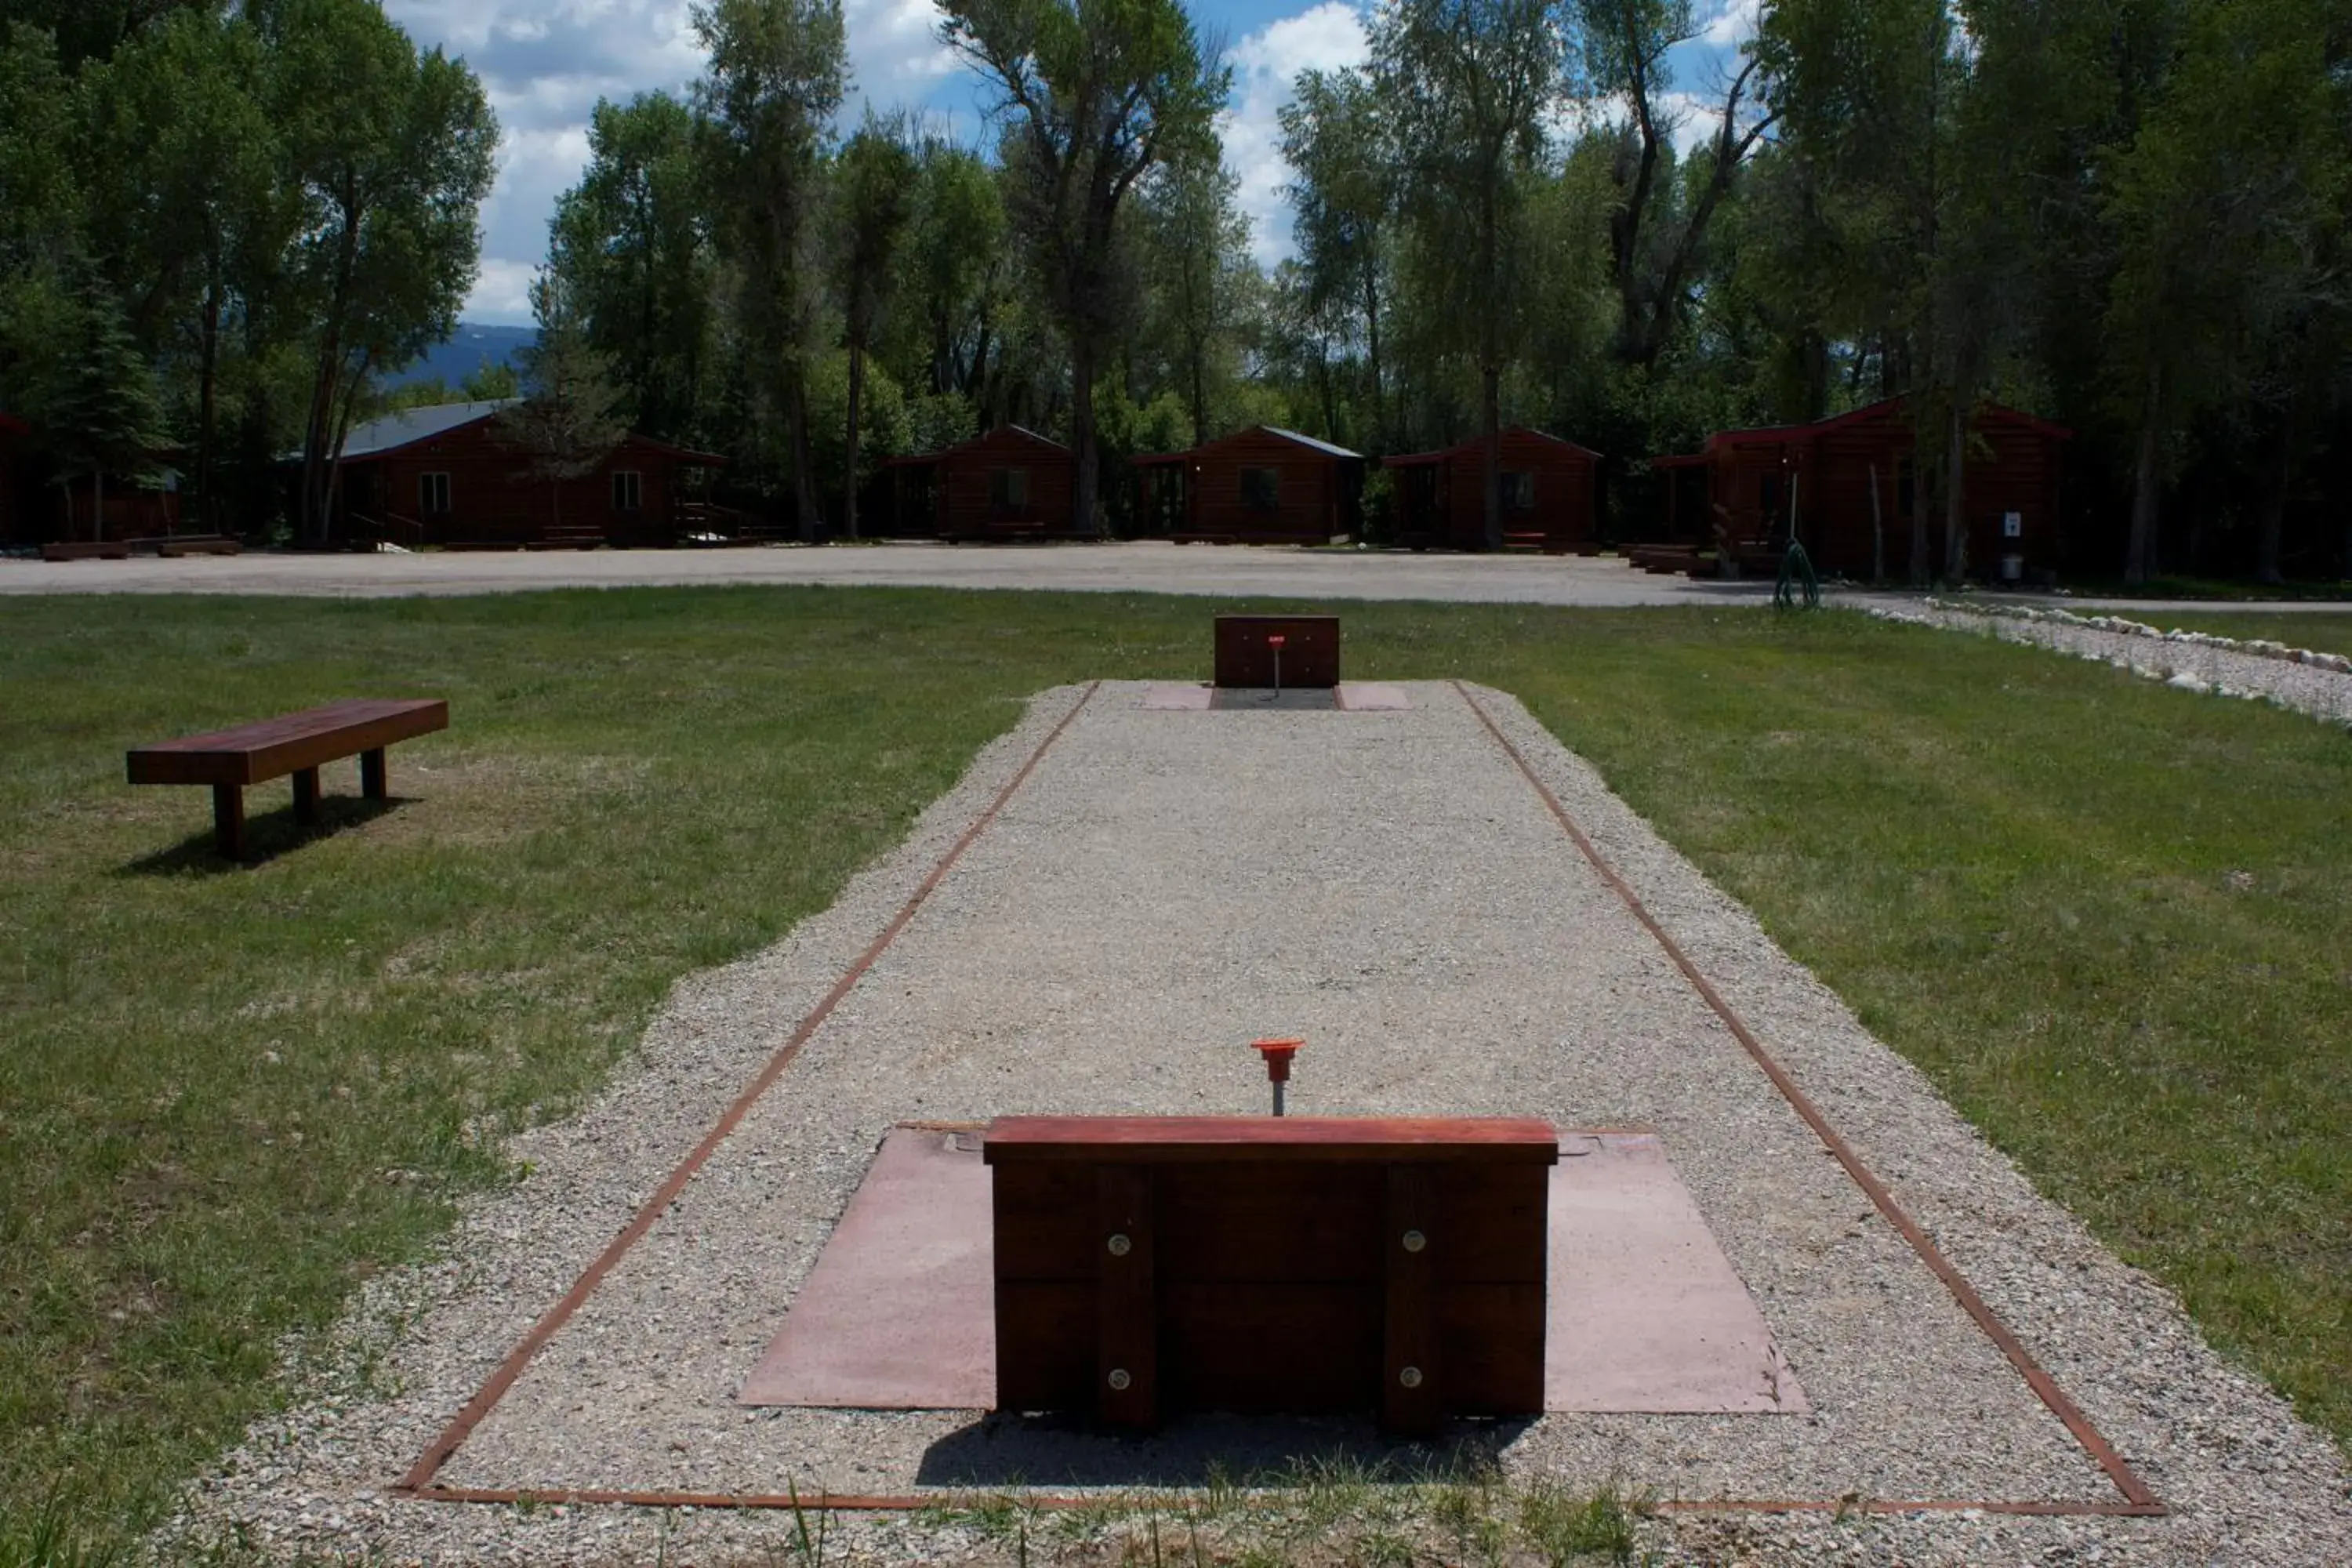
1261, 486
1441, 497
1850, 479
1011, 483
448, 475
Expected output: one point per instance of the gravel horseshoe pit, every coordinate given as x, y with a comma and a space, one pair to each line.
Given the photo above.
1162, 888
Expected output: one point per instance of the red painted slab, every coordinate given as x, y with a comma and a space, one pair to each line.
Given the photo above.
897, 1315
1645, 1313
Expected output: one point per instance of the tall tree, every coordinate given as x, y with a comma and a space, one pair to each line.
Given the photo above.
1471, 81
2219, 203
768, 99
631, 240
1340, 140
873, 191
955, 268
1095, 93
1198, 246
1656, 240
186, 201
391, 151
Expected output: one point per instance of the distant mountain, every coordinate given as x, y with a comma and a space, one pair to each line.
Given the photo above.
464, 352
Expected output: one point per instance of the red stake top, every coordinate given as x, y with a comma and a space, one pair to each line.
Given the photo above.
1275, 640
1277, 1055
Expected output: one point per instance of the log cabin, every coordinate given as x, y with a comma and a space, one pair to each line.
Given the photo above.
1260, 485
1011, 483
1548, 483
446, 475
1850, 481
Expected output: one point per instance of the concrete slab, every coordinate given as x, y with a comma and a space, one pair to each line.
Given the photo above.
1373, 697
1645, 1315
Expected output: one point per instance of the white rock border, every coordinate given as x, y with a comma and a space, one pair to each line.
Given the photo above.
2305, 681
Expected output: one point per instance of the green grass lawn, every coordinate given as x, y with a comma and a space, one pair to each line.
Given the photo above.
2110, 918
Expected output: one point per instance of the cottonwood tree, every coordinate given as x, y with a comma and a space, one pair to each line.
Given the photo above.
389, 152
2219, 203
874, 204
1657, 232
1092, 94
632, 243
1471, 82
1341, 142
774, 83
1197, 252
186, 201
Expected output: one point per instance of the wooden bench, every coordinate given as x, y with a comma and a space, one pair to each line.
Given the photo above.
295, 743
1300, 1264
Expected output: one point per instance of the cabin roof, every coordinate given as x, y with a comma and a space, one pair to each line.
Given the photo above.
1460, 448
917, 459
1782, 435
1157, 459
394, 432
410, 426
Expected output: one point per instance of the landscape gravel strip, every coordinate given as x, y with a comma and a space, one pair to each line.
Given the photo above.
1166, 887
2316, 684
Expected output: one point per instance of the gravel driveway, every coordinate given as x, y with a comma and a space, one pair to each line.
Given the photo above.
1162, 888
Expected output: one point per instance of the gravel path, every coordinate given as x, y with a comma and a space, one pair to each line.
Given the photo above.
1137, 567
1165, 887
2316, 684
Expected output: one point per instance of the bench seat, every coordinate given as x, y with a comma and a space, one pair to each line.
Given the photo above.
292, 744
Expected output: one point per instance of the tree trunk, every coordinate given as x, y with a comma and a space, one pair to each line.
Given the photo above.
1919, 519
1490, 381
2139, 552
804, 481
1373, 345
1087, 477
2266, 555
849, 483
1956, 525
97, 502
207, 380
1877, 532
1199, 391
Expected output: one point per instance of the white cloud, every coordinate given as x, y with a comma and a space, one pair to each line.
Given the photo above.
1731, 26
1265, 63
546, 62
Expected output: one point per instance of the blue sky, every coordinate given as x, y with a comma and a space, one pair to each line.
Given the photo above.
546, 63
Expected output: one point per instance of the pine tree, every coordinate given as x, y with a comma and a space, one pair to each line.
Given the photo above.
102, 416
570, 422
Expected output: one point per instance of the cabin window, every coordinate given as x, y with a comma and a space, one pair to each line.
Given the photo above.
1008, 487
628, 491
433, 494
1519, 490
1261, 489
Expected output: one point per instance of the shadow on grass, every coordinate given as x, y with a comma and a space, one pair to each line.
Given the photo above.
266, 837
1204, 1450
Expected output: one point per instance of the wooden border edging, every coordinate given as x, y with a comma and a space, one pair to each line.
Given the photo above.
2135, 1492
2139, 1501
428, 1464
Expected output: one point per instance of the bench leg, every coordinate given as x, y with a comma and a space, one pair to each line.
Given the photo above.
372, 779
306, 795
229, 820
